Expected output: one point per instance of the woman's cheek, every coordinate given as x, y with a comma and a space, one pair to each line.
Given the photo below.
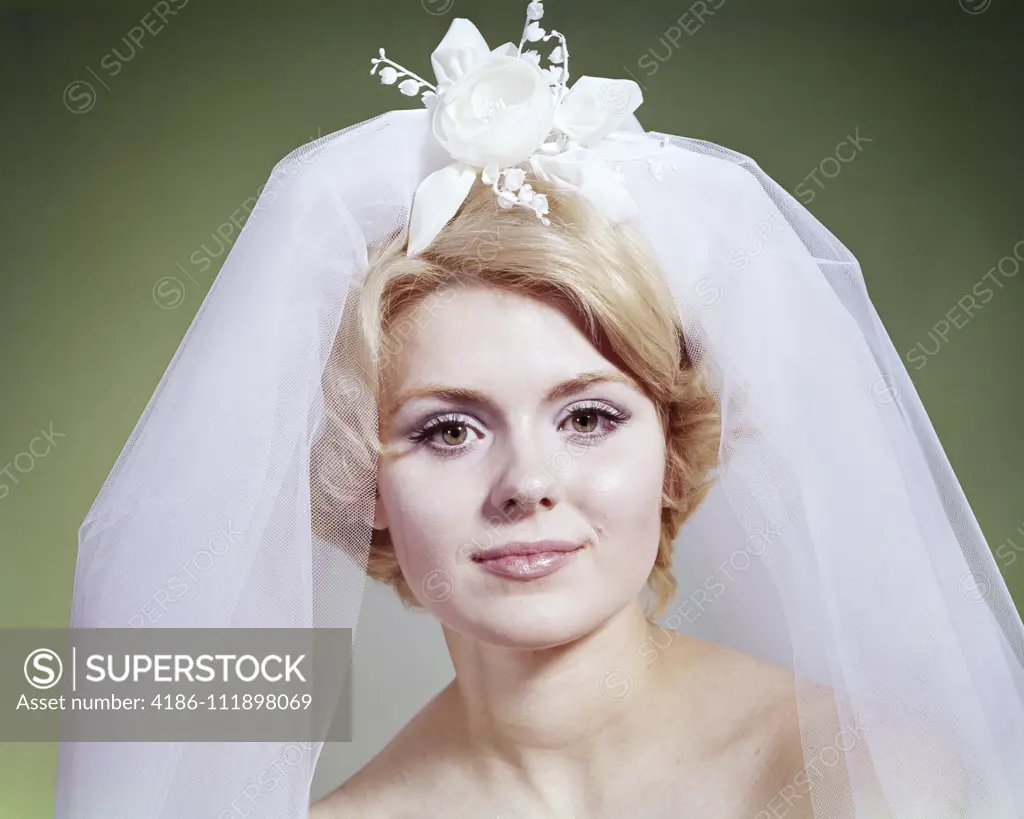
624, 493
423, 519
626, 484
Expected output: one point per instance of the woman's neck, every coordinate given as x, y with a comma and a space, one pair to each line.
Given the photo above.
565, 714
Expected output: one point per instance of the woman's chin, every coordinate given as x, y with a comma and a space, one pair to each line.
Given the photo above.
530, 625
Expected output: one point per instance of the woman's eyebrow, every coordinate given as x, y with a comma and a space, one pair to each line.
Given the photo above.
559, 391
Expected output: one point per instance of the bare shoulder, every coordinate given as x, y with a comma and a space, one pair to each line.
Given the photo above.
405, 774
761, 707
754, 687
376, 790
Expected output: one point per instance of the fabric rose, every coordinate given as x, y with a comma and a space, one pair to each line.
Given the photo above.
496, 114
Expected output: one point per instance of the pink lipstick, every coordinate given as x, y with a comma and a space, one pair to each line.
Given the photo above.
525, 561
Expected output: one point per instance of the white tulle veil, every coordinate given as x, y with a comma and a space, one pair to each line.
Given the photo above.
837, 541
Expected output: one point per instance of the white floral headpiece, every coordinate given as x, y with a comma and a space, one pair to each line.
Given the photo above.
495, 110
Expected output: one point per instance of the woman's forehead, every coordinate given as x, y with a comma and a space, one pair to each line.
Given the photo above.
487, 329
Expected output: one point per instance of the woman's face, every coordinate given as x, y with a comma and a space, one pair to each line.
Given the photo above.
539, 437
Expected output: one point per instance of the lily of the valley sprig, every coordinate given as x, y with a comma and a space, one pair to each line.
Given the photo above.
558, 70
392, 71
495, 110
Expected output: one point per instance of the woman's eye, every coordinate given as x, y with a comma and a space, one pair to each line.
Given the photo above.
595, 421
446, 435
453, 434
590, 420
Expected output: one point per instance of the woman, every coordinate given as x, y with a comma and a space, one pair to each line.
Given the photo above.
536, 722
387, 379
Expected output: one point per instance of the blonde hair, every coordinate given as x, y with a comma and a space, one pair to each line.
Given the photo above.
605, 274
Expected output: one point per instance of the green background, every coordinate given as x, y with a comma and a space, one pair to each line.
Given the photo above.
99, 205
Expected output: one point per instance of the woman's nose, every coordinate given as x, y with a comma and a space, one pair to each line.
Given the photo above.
528, 478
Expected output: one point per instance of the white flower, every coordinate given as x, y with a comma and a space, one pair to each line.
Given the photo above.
497, 113
553, 74
534, 32
526, 194
514, 179
388, 75
535, 10
533, 56
409, 87
557, 55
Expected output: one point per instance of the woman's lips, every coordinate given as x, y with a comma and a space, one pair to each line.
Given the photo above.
525, 561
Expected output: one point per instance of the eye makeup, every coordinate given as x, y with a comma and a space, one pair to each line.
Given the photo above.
610, 418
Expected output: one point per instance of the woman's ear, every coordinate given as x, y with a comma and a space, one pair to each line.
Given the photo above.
380, 514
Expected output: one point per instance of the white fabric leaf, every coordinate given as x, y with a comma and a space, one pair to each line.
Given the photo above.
506, 50
581, 171
436, 200
596, 106
461, 49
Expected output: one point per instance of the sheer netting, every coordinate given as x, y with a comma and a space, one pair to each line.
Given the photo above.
836, 541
